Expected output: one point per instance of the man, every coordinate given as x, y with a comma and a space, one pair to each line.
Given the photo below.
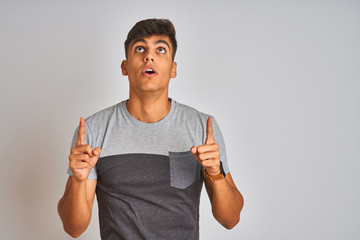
146, 158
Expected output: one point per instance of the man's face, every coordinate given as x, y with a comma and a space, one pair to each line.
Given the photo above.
149, 66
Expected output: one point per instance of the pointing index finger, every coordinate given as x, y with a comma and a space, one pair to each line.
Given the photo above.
81, 133
209, 132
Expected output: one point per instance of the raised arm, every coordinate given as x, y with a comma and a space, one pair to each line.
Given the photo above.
75, 207
226, 200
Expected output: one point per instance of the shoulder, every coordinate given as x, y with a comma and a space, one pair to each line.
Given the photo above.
191, 113
102, 116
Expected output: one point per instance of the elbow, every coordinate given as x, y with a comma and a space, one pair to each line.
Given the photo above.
236, 219
74, 230
228, 222
228, 216
71, 228
231, 224
231, 219
73, 233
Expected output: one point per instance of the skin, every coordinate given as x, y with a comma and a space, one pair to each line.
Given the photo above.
75, 207
226, 200
148, 95
148, 102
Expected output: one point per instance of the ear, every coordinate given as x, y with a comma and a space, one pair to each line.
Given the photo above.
124, 68
173, 70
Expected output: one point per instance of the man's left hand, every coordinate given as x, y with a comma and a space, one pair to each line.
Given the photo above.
208, 154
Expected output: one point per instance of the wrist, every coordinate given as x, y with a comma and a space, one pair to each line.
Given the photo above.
216, 170
216, 175
79, 180
212, 178
212, 171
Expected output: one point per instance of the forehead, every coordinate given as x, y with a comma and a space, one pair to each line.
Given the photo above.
152, 40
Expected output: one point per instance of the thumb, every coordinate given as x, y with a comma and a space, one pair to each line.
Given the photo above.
193, 150
96, 152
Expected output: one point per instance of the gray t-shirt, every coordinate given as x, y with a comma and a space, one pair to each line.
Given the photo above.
148, 181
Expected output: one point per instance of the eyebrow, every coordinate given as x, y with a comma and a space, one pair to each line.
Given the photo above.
163, 41
144, 41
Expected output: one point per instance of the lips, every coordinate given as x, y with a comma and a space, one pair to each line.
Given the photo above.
149, 71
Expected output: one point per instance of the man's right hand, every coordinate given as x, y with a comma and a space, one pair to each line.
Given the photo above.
82, 157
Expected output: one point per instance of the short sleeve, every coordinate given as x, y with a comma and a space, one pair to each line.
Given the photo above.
219, 140
88, 140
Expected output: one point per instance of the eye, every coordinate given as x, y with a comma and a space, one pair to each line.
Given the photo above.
139, 49
161, 50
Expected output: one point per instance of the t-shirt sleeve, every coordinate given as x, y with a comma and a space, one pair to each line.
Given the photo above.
220, 141
88, 140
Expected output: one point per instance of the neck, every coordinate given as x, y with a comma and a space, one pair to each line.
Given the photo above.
148, 109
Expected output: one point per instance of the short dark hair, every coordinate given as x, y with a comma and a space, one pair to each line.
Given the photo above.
150, 27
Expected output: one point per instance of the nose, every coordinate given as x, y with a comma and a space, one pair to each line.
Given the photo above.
149, 58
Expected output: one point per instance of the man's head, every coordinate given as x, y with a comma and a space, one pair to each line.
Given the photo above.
150, 51
149, 27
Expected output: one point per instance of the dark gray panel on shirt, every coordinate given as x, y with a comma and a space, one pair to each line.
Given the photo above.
149, 195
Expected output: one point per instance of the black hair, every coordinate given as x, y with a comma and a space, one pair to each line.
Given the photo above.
150, 27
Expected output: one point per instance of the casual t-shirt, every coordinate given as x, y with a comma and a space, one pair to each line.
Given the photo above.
148, 181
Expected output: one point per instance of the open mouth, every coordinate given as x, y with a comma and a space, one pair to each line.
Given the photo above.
149, 71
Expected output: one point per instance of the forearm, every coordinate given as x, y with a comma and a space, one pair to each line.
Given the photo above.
74, 210
226, 202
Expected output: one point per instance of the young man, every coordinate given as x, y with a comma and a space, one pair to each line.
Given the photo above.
147, 157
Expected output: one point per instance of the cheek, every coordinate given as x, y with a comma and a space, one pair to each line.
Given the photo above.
132, 66
167, 72
167, 67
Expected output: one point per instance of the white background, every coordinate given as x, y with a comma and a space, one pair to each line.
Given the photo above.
281, 78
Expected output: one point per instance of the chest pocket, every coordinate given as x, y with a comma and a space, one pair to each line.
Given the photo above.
183, 169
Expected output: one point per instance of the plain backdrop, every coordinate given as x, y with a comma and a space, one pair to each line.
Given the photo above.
282, 79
